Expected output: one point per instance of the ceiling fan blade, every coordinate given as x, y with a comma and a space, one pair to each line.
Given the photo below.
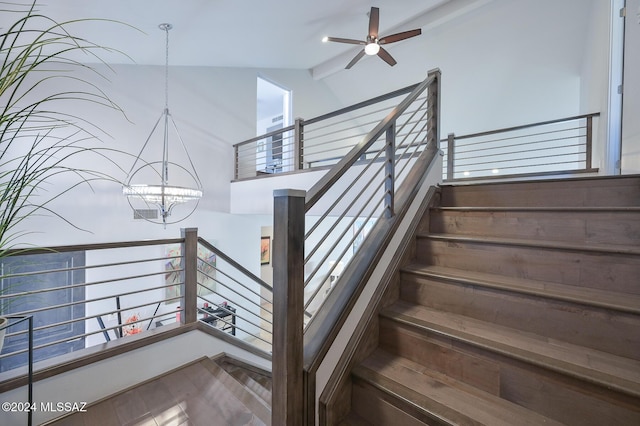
386, 57
355, 59
374, 22
345, 40
400, 36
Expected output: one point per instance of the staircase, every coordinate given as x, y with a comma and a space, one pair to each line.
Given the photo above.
521, 306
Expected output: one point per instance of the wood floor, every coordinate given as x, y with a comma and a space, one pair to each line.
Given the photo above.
206, 392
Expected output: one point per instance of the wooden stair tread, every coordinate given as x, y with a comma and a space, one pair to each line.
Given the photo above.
353, 419
541, 244
444, 398
256, 405
622, 302
258, 389
559, 209
614, 372
255, 379
589, 191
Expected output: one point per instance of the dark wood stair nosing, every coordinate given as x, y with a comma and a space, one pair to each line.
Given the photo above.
537, 244
358, 372
533, 209
408, 395
545, 293
540, 360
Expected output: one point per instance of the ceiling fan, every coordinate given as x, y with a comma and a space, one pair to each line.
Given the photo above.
372, 44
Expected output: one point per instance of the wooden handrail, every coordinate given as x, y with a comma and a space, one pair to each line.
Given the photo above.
87, 247
363, 104
187, 300
322, 186
526, 126
488, 137
266, 135
289, 267
233, 263
298, 128
332, 114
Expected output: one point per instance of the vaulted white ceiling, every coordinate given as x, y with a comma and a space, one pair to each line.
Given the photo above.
237, 33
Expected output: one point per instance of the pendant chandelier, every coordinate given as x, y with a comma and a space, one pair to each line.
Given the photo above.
161, 195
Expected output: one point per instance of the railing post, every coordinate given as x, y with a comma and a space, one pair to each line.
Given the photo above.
236, 159
288, 307
451, 140
298, 144
433, 126
189, 297
389, 171
589, 143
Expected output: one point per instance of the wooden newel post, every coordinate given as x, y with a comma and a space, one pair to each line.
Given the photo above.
433, 135
288, 307
189, 298
451, 152
588, 161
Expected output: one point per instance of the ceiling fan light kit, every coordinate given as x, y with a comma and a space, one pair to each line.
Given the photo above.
372, 49
372, 44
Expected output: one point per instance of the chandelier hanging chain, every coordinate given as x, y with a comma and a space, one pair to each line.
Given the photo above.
166, 28
165, 147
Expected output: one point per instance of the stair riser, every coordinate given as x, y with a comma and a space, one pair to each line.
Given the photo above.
563, 398
620, 192
433, 354
591, 327
381, 409
614, 272
621, 228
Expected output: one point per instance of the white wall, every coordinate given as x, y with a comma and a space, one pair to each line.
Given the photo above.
631, 96
506, 63
213, 109
499, 68
594, 82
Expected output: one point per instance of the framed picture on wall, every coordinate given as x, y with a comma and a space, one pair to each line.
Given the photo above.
173, 272
265, 250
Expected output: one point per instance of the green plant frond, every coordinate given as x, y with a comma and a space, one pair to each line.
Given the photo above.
98, 97
57, 33
39, 142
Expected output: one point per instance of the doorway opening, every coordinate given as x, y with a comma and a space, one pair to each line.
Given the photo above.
274, 153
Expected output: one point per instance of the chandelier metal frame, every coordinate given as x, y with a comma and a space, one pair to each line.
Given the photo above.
163, 195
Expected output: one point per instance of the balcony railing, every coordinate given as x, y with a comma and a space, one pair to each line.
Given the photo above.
545, 148
86, 295
313, 143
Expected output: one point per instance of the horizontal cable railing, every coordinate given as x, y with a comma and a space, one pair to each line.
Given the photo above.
233, 299
273, 152
317, 142
325, 239
549, 147
338, 226
86, 295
